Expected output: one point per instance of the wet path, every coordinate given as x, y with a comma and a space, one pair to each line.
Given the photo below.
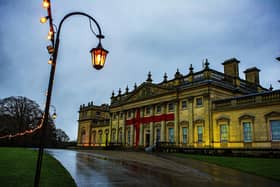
113, 168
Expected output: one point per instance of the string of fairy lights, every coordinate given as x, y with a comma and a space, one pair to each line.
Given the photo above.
26, 132
46, 5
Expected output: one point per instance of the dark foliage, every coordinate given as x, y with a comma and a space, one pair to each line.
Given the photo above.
19, 114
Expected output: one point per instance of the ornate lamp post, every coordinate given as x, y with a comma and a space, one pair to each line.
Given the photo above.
98, 61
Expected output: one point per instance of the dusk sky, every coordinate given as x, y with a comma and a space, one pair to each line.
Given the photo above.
141, 36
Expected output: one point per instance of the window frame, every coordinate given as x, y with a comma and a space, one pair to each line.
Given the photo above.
245, 140
184, 106
271, 132
196, 102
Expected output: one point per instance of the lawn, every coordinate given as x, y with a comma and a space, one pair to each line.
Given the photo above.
267, 167
17, 168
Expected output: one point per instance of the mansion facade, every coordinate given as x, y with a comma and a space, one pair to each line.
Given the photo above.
207, 108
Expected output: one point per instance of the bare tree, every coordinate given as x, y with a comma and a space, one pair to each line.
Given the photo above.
20, 112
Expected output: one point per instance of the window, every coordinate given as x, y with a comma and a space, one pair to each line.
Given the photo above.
129, 114
100, 137
170, 107
171, 135
185, 135
224, 133
184, 104
115, 116
158, 108
199, 134
247, 131
93, 137
120, 135
128, 136
148, 110
121, 115
158, 135
113, 135
275, 130
199, 101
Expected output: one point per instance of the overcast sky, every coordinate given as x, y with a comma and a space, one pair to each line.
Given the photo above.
158, 36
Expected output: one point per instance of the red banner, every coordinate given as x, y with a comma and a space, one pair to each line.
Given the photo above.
163, 117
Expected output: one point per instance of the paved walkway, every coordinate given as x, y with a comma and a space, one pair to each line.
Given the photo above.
204, 172
117, 168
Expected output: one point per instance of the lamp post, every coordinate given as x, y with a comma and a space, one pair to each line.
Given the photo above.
98, 55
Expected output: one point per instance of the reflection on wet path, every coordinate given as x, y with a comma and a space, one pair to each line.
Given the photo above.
93, 169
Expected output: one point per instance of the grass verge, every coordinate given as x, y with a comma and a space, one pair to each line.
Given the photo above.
17, 168
267, 167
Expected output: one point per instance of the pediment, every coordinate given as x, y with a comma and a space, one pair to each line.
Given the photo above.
147, 90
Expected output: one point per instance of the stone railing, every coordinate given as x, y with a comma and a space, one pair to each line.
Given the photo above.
255, 99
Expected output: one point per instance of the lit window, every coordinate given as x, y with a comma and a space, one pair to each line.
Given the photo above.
170, 107
275, 130
199, 134
158, 109
224, 133
171, 135
199, 101
185, 134
184, 104
247, 131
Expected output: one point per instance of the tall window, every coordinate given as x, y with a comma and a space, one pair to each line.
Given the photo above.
128, 136
184, 104
185, 135
170, 107
275, 130
247, 131
171, 135
158, 135
83, 136
199, 134
100, 137
224, 133
120, 136
129, 114
93, 137
113, 135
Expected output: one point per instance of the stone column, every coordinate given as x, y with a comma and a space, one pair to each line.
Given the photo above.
191, 125
176, 121
162, 131
118, 123
151, 133
132, 135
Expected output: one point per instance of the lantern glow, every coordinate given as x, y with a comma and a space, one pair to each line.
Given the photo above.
98, 56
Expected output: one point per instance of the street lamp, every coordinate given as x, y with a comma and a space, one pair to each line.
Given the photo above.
98, 60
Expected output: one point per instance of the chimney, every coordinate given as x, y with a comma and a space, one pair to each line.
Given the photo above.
252, 75
231, 67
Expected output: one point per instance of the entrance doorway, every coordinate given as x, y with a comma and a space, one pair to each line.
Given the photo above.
147, 140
